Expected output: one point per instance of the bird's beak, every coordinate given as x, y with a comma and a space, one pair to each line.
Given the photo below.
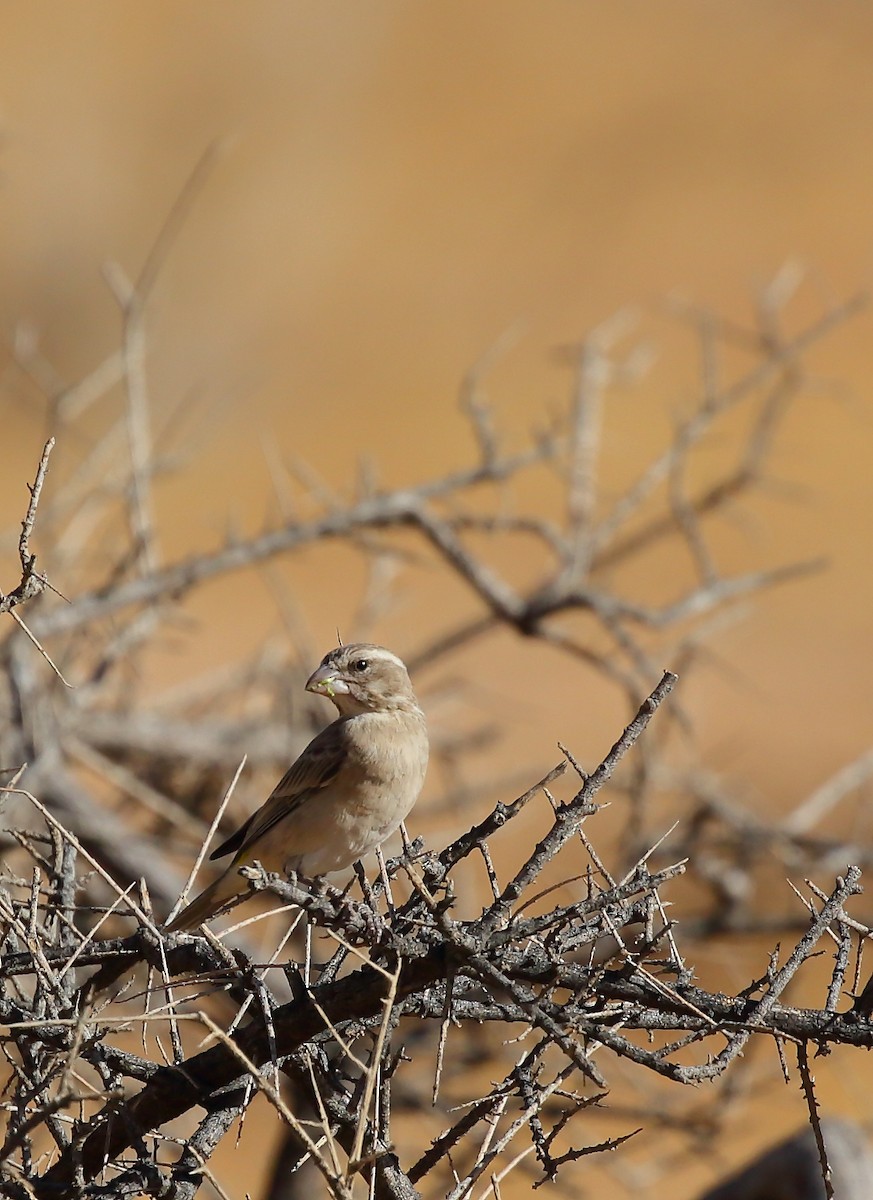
325, 681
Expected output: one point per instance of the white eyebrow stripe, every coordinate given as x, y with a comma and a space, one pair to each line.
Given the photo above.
381, 652
361, 649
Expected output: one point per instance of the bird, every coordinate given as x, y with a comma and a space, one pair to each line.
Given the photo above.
347, 792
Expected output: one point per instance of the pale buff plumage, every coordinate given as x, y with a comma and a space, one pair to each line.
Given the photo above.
349, 789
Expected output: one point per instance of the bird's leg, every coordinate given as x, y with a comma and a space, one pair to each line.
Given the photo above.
350, 884
366, 890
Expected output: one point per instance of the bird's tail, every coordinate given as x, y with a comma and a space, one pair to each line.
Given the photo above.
208, 903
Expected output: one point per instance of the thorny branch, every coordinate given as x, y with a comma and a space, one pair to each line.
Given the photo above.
566, 957
31, 582
537, 972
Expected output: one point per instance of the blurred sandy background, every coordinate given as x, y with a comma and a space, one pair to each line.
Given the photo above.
401, 183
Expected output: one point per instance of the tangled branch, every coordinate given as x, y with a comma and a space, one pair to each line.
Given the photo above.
522, 940
520, 963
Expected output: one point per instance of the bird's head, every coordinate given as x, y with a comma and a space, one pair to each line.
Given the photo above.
363, 678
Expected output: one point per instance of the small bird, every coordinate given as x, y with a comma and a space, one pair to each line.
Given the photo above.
349, 789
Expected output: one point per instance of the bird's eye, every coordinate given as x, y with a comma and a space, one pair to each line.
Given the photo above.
360, 665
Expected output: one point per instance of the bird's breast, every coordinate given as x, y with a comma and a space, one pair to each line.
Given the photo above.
386, 761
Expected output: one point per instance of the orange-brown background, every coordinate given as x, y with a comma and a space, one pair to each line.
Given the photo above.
399, 184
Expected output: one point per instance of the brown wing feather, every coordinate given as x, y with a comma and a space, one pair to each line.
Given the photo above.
316, 767
234, 841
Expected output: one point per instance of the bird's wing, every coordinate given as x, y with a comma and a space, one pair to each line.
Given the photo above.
317, 766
